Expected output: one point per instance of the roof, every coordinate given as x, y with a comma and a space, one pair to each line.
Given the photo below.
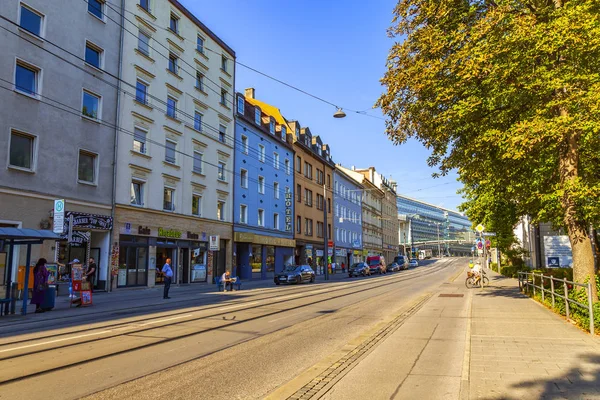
18, 233
271, 111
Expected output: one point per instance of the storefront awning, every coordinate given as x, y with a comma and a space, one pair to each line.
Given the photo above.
20, 235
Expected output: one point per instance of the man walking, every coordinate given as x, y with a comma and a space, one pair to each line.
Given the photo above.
90, 274
168, 273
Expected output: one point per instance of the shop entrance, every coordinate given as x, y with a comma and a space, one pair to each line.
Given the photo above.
219, 260
135, 261
184, 257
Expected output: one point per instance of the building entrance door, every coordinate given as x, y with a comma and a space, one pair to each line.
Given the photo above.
184, 264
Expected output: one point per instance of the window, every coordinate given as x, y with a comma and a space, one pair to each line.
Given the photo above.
224, 63
328, 180
276, 160
244, 178
198, 166
173, 61
298, 164
137, 193
261, 217
144, 43
141, 92
86, 170
198, 121
319, 176
221, 171
139, 140
287, 166
145, 4
91, 105
200, 44
307, 170
320, 201
31, 20
319, 229
244, 144
168, 199
171, 107
21, 151
170, 151
283, 133
329, 205
272, 126
196, 205
223, 97
308, 197
93, 55
240, 105
199, 81
261, 153
299, 193
27, 79
337, 234
222, 133
221, 210
308, 228
174, 23
298, 224
276, 221
276, 189
257, 120
261, 185
95, 7
243, 214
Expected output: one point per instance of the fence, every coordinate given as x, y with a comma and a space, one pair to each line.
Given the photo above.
525, 283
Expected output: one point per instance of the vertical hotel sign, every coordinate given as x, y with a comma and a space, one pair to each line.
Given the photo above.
59, 217
288, 212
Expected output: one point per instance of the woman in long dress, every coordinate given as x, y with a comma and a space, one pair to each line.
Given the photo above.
40, 284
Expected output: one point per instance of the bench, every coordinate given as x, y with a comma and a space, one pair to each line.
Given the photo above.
237, 284
3, 303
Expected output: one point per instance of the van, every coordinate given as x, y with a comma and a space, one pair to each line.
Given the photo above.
376, 264
401, 261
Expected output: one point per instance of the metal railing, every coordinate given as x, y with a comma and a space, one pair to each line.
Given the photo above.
525, 284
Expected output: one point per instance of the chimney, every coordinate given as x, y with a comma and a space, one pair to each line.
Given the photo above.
249, 93
353, 168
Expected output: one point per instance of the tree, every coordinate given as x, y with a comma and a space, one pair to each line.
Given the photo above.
507, 92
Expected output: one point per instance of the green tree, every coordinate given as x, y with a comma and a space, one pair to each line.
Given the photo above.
506, 92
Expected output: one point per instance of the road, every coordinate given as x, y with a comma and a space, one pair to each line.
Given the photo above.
242, 346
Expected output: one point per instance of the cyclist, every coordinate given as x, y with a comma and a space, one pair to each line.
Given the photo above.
477, 271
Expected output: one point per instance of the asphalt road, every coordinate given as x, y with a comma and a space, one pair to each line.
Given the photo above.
242, 348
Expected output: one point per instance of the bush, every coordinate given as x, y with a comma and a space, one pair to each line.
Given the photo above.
511, 271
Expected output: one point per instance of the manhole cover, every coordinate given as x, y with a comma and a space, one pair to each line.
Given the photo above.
451, 295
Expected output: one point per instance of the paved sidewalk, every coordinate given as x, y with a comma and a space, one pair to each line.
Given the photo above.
521, 350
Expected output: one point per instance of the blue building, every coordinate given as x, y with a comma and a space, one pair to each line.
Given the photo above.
263, 223
347, 219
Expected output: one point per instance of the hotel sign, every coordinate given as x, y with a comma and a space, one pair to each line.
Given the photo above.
288, 212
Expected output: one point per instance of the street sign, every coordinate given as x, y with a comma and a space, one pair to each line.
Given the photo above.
489, 233
479, 228
59, 216
214, 242
473, 249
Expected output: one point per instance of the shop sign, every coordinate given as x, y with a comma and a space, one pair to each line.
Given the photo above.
79, 239
319, 253
192, 235
169, 233
288, 212
309, 246
144, 230
214, 243
340, 252
89, 221
356, 244
59, 216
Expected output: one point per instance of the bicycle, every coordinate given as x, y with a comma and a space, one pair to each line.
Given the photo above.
474, 281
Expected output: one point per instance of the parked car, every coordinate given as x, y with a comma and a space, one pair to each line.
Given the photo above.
402, 261
359, 269
414, 263
393, 267
376, 264
295, 274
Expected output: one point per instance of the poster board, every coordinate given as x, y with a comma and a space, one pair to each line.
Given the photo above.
557, 249
79, 284
52, 273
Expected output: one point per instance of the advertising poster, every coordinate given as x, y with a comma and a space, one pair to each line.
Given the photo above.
558, 248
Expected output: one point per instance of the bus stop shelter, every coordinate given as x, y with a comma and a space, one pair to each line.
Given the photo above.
12, 237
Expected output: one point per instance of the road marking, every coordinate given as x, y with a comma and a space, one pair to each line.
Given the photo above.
54, 341
238, 306
165, 320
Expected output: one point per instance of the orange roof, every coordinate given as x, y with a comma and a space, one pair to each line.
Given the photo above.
271, 111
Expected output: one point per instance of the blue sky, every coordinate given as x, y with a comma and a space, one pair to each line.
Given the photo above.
335, 50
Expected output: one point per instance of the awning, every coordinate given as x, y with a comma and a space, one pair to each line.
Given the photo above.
19, 235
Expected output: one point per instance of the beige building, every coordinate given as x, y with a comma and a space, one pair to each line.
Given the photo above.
174, 185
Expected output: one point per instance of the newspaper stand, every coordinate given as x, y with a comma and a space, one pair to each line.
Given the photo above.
78, 284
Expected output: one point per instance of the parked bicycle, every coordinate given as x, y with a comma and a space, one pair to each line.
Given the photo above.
474, 280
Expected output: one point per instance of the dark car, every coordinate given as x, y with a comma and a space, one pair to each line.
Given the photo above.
295, 274
393, 267
401, 261
359, 269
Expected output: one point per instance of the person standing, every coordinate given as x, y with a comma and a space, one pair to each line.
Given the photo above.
90, 274
40, 284
168, 273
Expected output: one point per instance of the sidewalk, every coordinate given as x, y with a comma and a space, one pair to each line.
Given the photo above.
521, 350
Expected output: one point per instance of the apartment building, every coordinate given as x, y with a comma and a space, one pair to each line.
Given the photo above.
174, 183
57, 134
347, 221
313, 168
264, 190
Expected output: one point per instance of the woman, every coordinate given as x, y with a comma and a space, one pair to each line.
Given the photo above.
40, 284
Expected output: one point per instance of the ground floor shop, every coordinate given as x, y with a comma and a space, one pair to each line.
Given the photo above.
347, 257
258, 256
144, 240
311, 253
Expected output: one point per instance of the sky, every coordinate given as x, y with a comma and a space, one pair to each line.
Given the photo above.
335, 50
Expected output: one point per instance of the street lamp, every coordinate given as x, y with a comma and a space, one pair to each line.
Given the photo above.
339, 113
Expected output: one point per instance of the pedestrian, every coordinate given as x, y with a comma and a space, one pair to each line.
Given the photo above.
168, 273
90, 274
40, 284
343, 267
227, 281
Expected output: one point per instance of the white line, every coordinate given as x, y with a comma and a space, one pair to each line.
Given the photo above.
54, 341
239, 305
166, 319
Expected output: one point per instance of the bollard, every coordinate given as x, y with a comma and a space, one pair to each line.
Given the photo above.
542, 285
552, 290
591, 307
566, 297
533, 279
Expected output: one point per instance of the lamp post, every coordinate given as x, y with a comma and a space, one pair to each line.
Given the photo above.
325, 226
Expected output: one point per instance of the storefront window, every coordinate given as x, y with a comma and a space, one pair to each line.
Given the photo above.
270, 259
256, 258
198, 265
133, 266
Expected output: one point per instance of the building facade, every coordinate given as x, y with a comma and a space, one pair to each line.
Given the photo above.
57, 127
347, 221
174, 186
264, 190
313, 169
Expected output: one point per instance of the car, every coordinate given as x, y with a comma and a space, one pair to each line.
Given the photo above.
402, 261
376, 264
295, 274
359, 269
393, 267
414, 263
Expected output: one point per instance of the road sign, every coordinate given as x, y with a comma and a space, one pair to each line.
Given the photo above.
59, 216
479, 228
473, 249
479, 245
489, 233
